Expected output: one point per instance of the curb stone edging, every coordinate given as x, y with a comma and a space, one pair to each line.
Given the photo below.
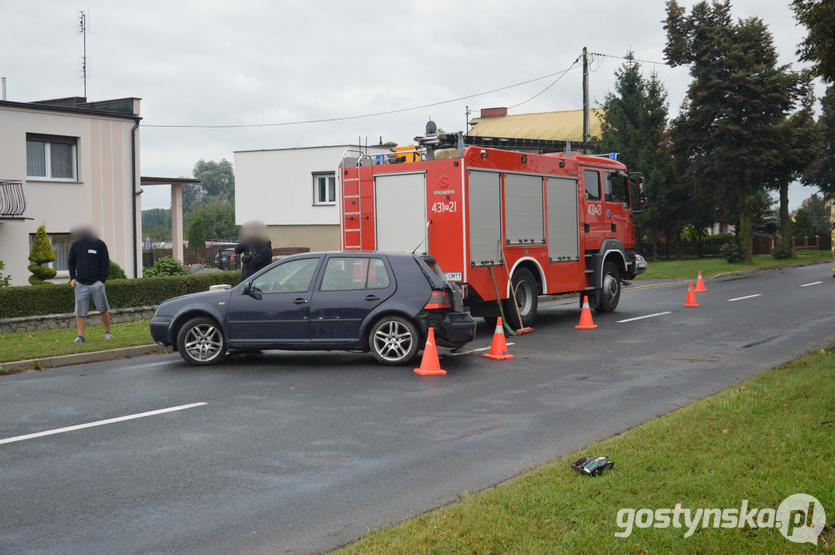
80, 358
28, 324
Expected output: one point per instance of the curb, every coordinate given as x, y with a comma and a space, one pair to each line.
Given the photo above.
770, 268
81, 358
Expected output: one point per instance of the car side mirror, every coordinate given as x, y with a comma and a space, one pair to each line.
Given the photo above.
245, 290
643, 203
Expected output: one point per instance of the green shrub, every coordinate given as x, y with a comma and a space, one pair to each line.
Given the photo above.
5, 281
166, 266
116, 272
733, 252
782, 252
122, 293
722, 237
40, 254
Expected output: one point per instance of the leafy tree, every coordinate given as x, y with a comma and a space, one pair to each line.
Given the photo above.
157, 233
821, 173
218, 220
197, 235
40, 254
217, 183
156, 216
802, 225
818, 212
634, 118
725, 135
801, 138
818, 16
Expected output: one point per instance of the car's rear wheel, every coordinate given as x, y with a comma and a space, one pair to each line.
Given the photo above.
201, 342
394, 341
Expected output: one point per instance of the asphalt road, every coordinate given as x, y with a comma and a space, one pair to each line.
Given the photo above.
303, 452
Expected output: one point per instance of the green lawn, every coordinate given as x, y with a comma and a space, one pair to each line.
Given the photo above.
712, 266
39, 344
761, 441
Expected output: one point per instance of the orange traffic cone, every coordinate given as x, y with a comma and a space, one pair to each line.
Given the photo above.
498, 350
691, 298
700, 285
586, 323
429, 364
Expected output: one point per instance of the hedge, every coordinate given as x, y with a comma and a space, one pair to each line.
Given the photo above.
33, 300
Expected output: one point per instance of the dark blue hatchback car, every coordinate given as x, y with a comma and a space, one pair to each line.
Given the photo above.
369, 301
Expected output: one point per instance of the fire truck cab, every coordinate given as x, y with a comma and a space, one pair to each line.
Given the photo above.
536, 216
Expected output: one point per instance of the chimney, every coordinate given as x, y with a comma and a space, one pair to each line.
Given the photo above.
493, 112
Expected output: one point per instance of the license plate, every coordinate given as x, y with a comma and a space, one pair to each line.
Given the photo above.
454, 276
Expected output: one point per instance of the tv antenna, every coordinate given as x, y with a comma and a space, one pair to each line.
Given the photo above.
82, 28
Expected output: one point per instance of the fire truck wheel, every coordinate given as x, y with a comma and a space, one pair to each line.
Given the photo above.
394, 341
527, 298
610, 294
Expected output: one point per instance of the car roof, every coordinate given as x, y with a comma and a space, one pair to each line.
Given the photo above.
360, 253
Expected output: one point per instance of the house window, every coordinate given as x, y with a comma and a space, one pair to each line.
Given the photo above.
51, 157
61, 243
324, 189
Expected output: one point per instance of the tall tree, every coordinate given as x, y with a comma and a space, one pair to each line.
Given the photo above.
725, 136
634, 119
819, 46
821, 173
196, 235
217, 183
800, 142
218, 220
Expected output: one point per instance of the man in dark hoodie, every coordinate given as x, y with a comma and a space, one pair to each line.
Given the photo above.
254, 248
89, 265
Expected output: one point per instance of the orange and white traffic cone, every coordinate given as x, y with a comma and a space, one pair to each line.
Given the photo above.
691, 298
429, 364
700, 285
498, 350
586, 323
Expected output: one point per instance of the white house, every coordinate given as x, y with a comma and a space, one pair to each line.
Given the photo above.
65, 163
294, 192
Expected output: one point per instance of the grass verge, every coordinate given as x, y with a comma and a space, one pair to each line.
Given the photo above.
40, 344
760, 441
670, 269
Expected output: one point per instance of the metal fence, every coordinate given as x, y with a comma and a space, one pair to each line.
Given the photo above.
206, 256
683, 249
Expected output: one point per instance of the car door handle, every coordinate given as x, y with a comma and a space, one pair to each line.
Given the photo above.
372, 298
300, 301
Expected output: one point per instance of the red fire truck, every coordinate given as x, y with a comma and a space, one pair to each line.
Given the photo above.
496, 213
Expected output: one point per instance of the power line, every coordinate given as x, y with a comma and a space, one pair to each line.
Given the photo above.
389, 112
680, 65
549, 86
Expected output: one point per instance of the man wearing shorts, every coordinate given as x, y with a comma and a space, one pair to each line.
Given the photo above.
89, 265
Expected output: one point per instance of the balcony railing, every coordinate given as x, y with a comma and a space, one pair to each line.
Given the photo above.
12, 200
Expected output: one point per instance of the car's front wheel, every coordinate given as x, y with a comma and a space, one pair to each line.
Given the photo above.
201, 341
394, 341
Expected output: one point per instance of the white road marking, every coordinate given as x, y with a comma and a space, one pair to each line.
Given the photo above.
98, 423
813, 283
471, 351
743, 298
642, 317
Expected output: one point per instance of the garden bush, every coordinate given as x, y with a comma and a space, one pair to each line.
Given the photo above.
166, 266
782, 252
733, 252
121, 293
116, 272
40, 254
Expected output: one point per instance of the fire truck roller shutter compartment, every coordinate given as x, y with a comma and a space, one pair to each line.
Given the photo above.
401, 212
524, 210
563, 231
485, 218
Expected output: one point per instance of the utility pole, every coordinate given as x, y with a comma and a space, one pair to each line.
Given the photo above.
586, 131
82, 28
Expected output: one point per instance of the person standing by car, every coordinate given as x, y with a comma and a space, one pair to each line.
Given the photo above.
255, 249
89, 265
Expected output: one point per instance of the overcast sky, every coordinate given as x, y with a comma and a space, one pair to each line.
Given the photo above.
213, 62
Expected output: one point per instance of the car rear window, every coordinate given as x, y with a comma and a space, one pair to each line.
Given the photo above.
436, 269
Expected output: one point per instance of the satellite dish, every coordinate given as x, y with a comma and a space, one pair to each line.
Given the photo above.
431, 128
